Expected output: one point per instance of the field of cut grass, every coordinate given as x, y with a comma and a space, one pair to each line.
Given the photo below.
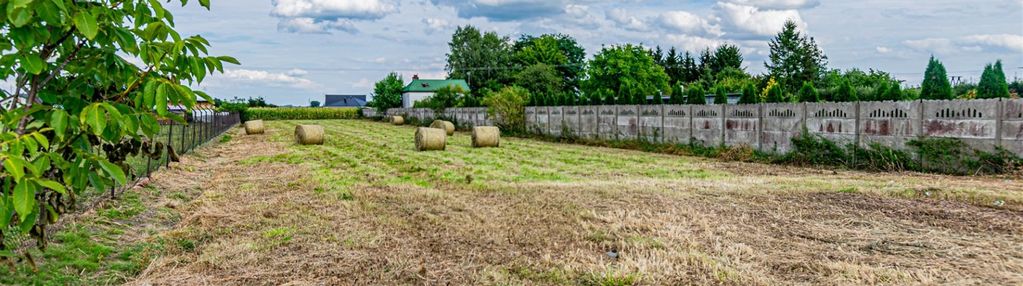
367, 209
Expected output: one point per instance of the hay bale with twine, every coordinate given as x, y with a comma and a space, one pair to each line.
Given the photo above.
486, 136
397, 120
431, 139
254, 127
309, 134
446, 125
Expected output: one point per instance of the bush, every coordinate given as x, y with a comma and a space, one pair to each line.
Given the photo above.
300, 113
507, 105
953, 156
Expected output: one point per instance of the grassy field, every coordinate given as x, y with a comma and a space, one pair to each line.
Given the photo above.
367, 209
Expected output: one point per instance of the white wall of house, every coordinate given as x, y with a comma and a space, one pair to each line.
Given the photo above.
409, 99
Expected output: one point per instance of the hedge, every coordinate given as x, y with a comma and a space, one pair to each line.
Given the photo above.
292, 113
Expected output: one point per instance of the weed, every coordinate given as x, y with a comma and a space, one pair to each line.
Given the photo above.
226, 138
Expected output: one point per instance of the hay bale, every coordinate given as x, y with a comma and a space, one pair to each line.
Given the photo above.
430, 139
309, 134
446, 125
254, 127
486, 136
397, 120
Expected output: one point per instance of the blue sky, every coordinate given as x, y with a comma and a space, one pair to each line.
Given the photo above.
294, 51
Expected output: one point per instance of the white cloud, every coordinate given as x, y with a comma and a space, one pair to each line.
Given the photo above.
582, 15
693, 43
685, 22
268, 78
779, 4
756, 21
883, 49
363, 83
505, 10
626, 21
972, 43
323, 16
1007, 41
436, 25
297, 72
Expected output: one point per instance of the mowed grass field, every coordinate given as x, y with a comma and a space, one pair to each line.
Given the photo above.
366, 209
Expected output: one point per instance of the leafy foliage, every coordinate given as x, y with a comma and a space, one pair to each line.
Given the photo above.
445, 97
935, 84
507, 106
749, 94
628, 70
480, 58
720, 96
387, 92
540, 79
695, 95
808, 93
795, 58
570, 64
992, 82
80, 107
301, 113
314, 103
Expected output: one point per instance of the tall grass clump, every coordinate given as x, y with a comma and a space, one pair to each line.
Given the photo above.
301, 113
953, 156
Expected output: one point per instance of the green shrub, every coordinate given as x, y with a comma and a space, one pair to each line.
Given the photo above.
299, 113
815, 150
953, 156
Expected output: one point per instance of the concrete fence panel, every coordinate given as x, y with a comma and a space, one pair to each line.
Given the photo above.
975, 122
627, 121
835, 121
571, 119
530, 114
780, 122
1011, 131
588, 121
556, 120
606, 122
742, 125
890, 123
708, 124
543, 120
677, 124
651, 122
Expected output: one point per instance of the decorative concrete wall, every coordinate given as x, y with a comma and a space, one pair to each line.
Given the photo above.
983, 124
779, 124
742, 125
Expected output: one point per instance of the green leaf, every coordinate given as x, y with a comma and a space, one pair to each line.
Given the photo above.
229, 59
15, 166
162, 92
19, 16
6, 211
113, 171
24, 198
60, 4
32, 63
205, 3
27, 222
42, 140
92, 115
85, 22
58, 121
53, 185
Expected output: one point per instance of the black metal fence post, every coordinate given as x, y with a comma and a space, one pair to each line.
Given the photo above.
170, 141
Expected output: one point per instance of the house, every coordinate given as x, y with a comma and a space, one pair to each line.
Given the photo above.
420, 89
344, 100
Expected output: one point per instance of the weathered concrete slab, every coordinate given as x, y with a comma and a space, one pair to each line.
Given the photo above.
531, 124
890, 123
1012, 125
677, 124
543, 120
975, 122
588, 124
780, 123
651, 122
571, 120
708, 121
606, 121
627, 121
556, 120
835, 121
742, 125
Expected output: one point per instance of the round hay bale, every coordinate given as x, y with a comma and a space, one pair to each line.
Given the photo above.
486, 136
309, 134
428, 139
397, 120
446, 125
254, 127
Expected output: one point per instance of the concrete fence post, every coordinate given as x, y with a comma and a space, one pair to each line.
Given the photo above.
661, 128
998, 122
691, 135
724, 127
760, 127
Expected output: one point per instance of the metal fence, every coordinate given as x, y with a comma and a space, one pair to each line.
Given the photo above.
201, 126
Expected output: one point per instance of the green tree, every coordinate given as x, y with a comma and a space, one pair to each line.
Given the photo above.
795, 58
727, 57
808, 93
314, 103
846, 93
749, 94
507, 106
935, 84
673, 66
387, 92
690, 70
894, 93
540, 79
775, 94
626, 68
482, 59
992, 82
720, 96
695, 95
445, 97
91, 80
879, 92
571, 66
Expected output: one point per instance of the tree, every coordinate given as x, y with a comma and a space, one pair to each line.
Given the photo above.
795, 58
571, 66
507, 107
482, 59
775, 94
676, 96
720, 96
808, 93
540, 79
749, 94
387, 92
992, 82
846, 93
626, 68
691, 71
894, 93
91, 81
314, 103
673, 67
935, 84
445, 97
695, 95
725, 57
879, 92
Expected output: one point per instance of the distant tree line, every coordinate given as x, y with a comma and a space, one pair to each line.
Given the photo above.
553, 70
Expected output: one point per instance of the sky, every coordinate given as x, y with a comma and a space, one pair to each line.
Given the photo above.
295, 51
